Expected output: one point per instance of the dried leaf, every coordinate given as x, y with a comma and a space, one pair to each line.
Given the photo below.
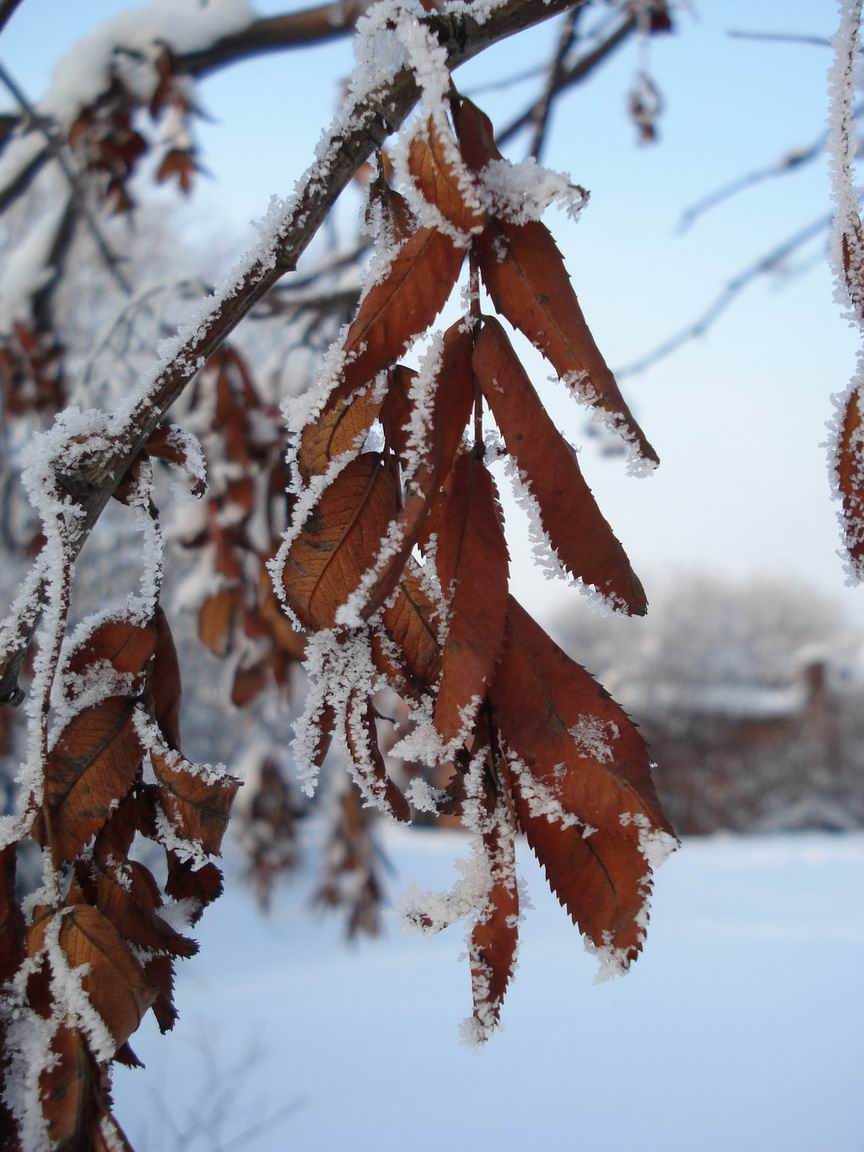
165, 687
581, 786
340, 540
341, 427
198, 804
577, 530
170, 444
93, 764
76, 1101
125, 645
11, 919
437, 173
186, 882
526, 278
400, 306
476, 135
472, 562
361, 736
850, 477
216, 618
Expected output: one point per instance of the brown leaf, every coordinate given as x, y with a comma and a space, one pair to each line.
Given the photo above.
361, 736
341, 427
569, 514
92, 765
125, 645
403, 304
115, 982
476, 135
472, 563
11, 919
216, 618
579, 766
526, 278
397, 408
132, 907
186, 882
340, 541
494, 938
160, 972
165, 687
409, 655
76, 1101
434, 166
196, 802
850, 478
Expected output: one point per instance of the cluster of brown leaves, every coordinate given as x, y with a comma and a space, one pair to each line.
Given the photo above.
31, 372
110, 147
239, 616
532, 742
115, 793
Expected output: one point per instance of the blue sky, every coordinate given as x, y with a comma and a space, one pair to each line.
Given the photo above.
738, 417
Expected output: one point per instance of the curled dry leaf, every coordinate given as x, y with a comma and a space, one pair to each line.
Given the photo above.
341, 427
340, 540
197, 803
472, 562
850, 478
576, 527
526, 278
361, 737
126, 645
92, 766
410, 628
75, 1098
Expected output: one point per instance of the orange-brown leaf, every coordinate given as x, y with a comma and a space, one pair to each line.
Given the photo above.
76, 1101
850, 478
576, 527
409, 655
472, 562
526, 278
93, 764
403, 304
166, 686
476, 135
216, 619
196, 802
341, 427
438, 179
579, 766
125, 645
340, 540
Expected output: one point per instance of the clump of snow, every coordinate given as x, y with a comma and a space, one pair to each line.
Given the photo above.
27, 268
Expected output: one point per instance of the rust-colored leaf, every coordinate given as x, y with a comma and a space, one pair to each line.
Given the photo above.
408, 653
169, 443
341, 427
434, 165
132, 907
403, 304
125, 645
216, 618
11, 919
476, 135
850, 478
577, 530
580, 778
494, 938
165, 685
361, 736
93, 764
340, 540
196, 801
472, 562
186, 882
115, 982
526, 278
76, 1100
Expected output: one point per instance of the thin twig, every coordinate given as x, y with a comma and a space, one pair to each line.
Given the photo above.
793, 160
542, 110
765, 265
57, 150
780, 37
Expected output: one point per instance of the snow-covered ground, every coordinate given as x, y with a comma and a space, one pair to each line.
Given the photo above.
741, 1029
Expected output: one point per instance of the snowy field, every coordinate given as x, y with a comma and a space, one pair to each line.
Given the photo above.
740, 1030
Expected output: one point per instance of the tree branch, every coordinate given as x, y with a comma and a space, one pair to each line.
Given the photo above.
356, 133
7, 10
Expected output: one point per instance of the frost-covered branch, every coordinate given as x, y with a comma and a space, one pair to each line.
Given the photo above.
376, 110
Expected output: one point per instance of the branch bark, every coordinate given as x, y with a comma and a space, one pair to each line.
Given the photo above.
355, 135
